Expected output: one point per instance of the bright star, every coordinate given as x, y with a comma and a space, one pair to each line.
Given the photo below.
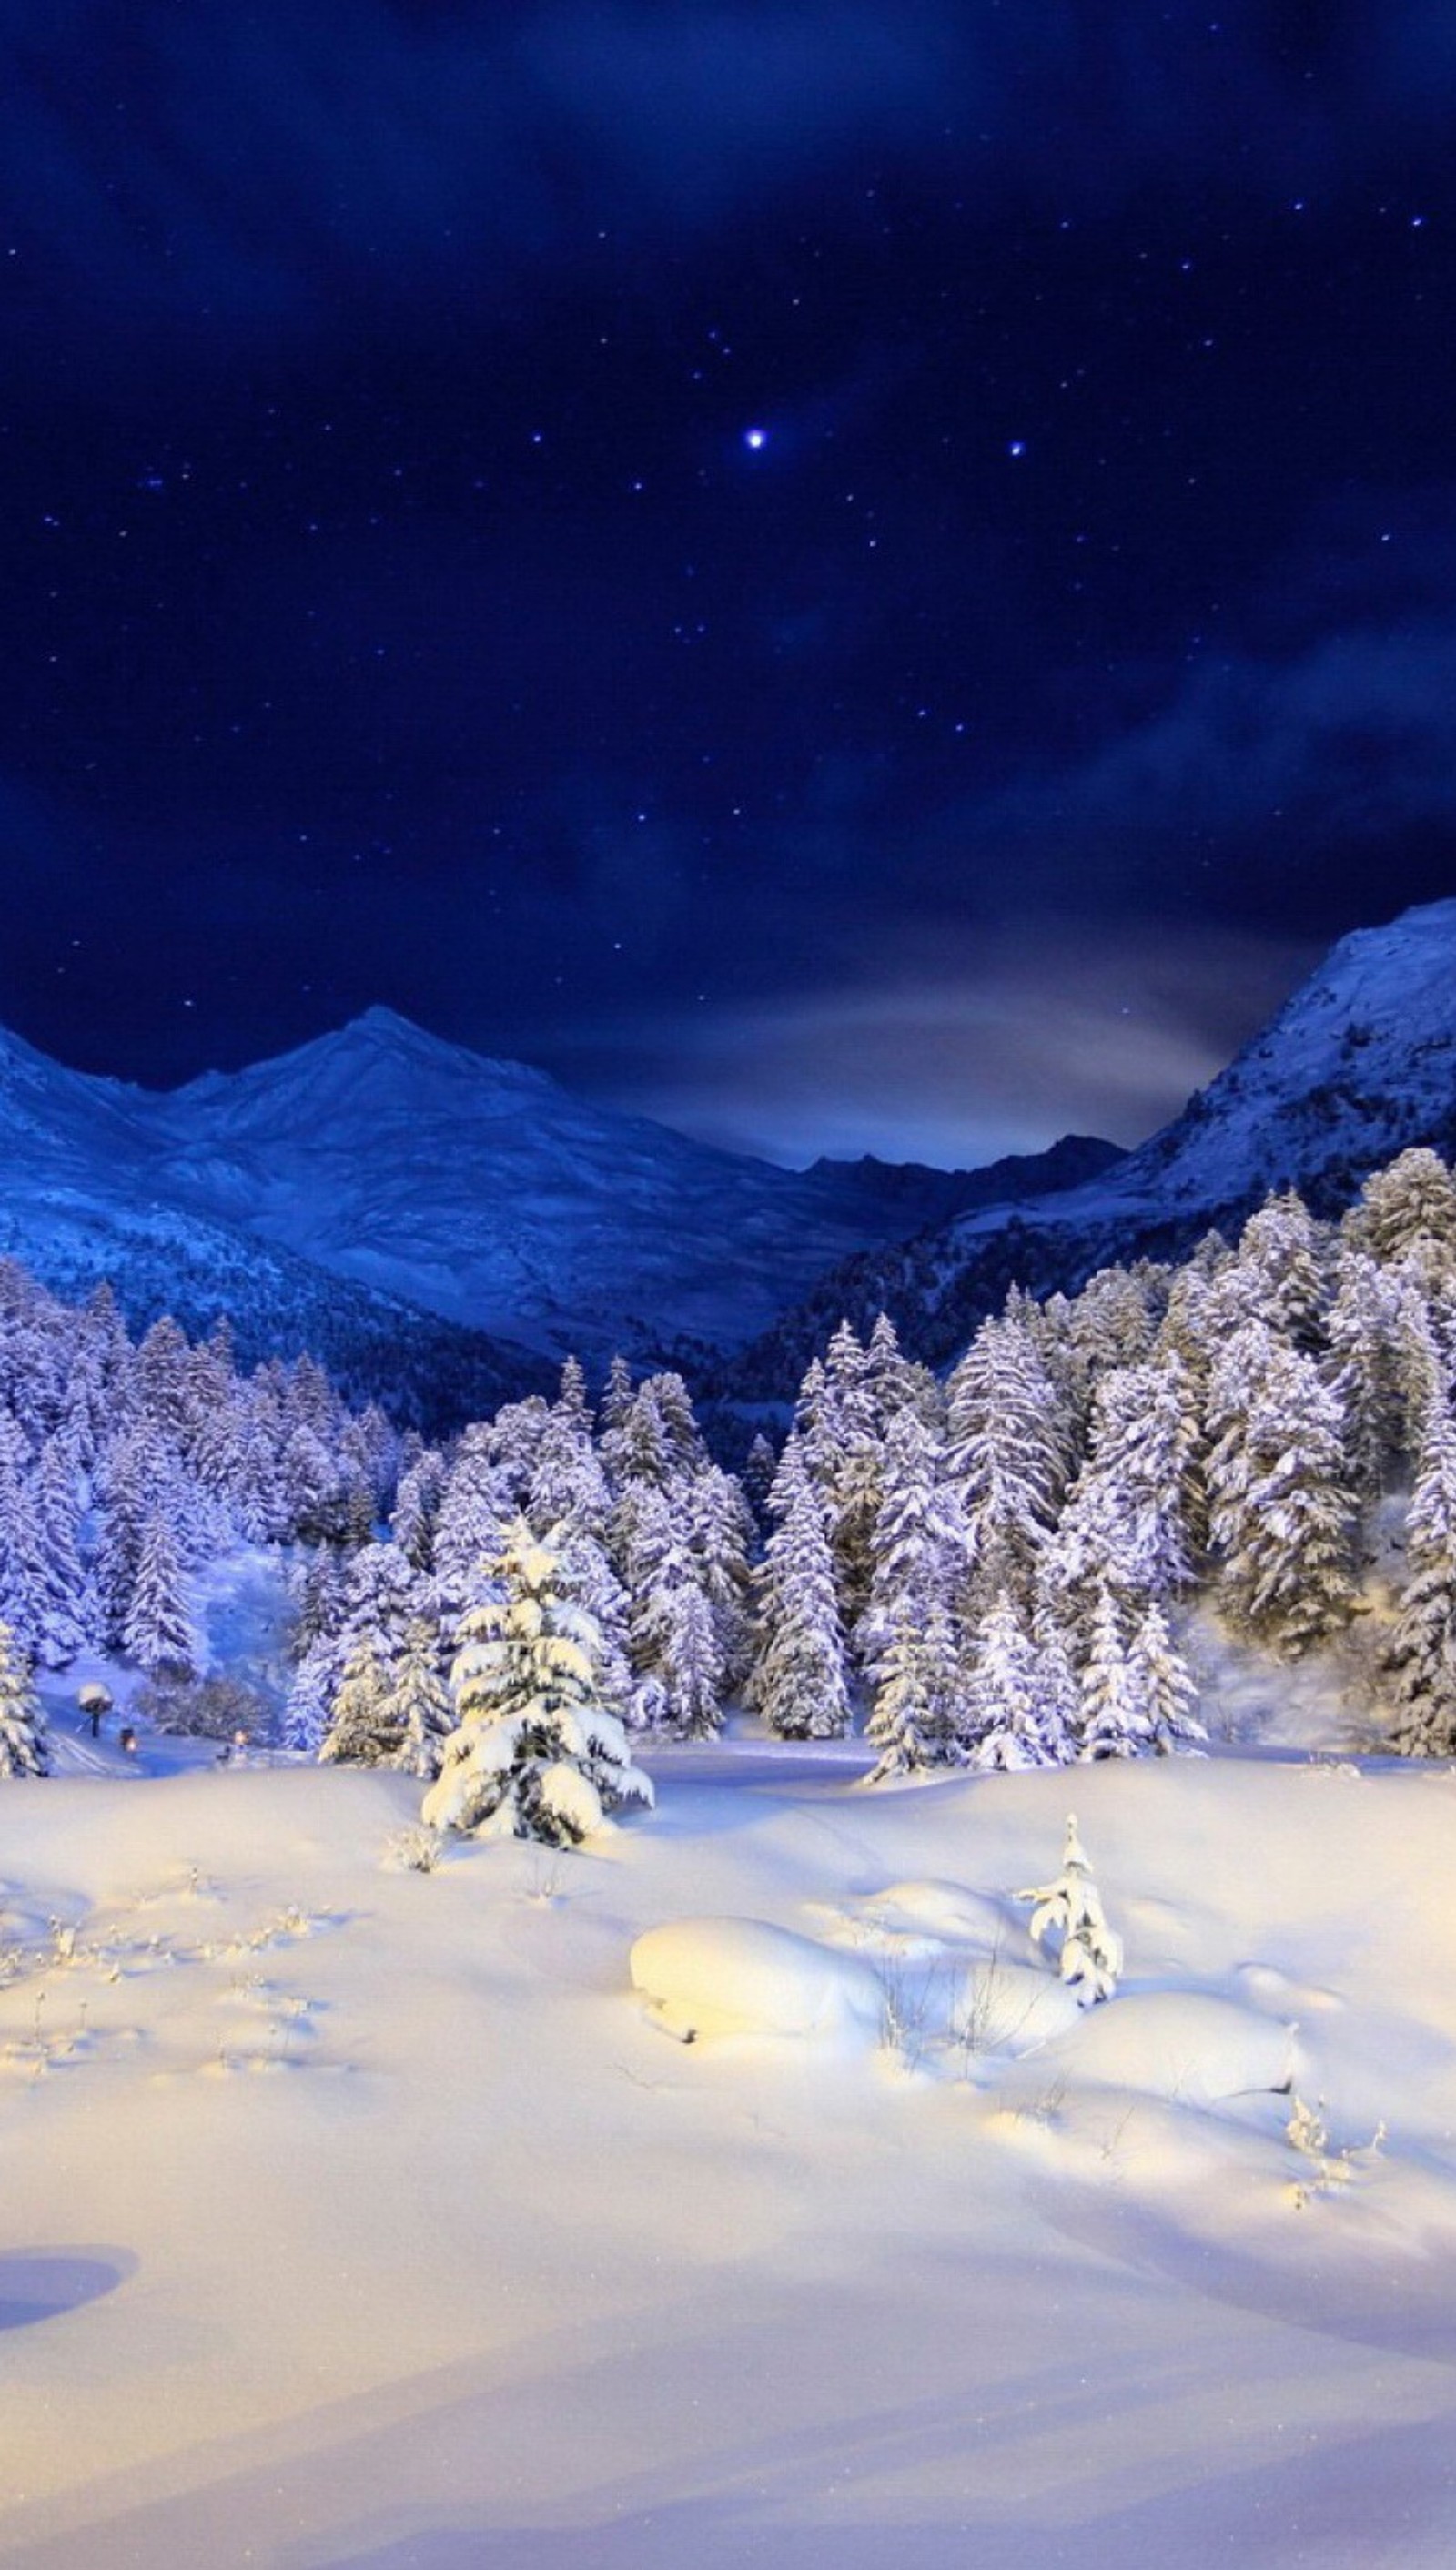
755, 437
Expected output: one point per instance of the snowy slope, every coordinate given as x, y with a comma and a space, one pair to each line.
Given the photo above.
1358, 1065
411, 1169
355, 2216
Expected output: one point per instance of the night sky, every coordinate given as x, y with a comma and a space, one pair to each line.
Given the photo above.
874, 576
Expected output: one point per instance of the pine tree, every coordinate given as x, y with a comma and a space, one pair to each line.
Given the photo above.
721, 1532
1409, 1206
363, 1728
799, 1681
65, 1608
1006, 1454
533, 1753
24, 1748
1007, 1718
1420, 1656
155, 1630
1127, 1521
1091, 1953
420, 1711
1361, 1370
1115, 1722
1281, 1513
907, 1721
1163, 1685
917, 1546
417, 1508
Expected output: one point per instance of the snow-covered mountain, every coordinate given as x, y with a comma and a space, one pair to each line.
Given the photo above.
381, 1189
1359, 1064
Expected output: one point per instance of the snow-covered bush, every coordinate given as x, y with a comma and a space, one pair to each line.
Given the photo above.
212, 1708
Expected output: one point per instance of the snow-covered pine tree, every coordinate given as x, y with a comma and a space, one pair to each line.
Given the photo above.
476, 1506
917, 1546
534, 1754
1281, 1513
417, 1508
1408, 1206
24, 1748
1114, 1723
568, 1486
907, 1724
363, 1728
846, 1459
1361, 1369
798, 1679
22, 1568
1419, 1663
67, 1613
1125, 1524
1008, 1722
1006, 1454
673, 1643
1163, 1684
1090, 1956
156, 1629
589, 1582
720, 1531
420, 1710
1276, 1274
760, 1468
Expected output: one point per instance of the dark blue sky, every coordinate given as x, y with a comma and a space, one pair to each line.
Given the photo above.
396, 607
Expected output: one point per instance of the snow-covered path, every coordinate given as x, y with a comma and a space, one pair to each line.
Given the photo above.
385, 2230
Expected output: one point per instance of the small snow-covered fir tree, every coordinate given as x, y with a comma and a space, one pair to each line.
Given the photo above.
24, 1749
534, 1753
1090, 1955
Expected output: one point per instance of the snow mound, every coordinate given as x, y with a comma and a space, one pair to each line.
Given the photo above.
742, 1976
946, 1910
1193, 2051
1006, 2010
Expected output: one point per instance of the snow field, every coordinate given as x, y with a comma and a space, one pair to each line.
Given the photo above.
395, 2230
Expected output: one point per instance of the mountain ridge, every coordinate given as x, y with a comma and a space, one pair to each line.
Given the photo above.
1358, 1064
441, 1190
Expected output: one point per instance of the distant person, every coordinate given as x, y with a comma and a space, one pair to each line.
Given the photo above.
127, 1740
94, 1702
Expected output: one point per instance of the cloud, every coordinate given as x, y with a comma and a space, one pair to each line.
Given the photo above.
1331, 752
1029, 1033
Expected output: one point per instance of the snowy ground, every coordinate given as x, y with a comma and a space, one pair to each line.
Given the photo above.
358, 2216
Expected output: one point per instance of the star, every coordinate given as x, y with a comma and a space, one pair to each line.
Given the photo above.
755, 438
